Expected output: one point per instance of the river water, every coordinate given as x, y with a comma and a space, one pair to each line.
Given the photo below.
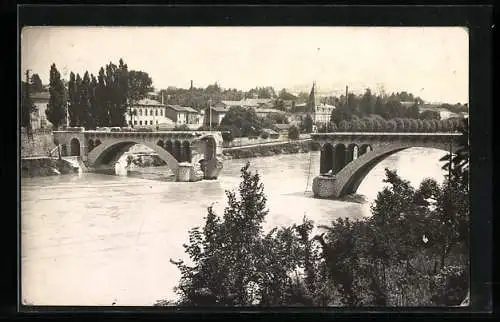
96, 239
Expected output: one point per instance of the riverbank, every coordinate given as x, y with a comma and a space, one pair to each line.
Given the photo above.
265, 150
39, 145
45, 166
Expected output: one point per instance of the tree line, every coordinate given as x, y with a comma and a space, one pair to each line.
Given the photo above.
412, 251
201, 98
93, 101
376, 123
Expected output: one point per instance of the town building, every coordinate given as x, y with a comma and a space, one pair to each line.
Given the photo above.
38, 117
182, 114
215, 114
147, 112
323, 113
254, 103
264, 112
282, 129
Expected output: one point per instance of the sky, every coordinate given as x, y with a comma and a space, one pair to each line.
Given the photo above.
430, 62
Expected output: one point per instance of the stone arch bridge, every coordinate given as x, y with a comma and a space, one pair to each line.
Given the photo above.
97, 149
347, 158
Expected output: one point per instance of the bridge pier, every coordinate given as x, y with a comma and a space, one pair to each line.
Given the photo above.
323, 186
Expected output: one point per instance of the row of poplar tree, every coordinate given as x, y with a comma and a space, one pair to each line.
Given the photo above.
94, 101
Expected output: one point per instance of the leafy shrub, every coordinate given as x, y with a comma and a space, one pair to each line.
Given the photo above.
293, 132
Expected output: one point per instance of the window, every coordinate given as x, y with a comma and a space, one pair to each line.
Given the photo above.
135, 122
161, 112
156, 122
156, 112
151, 112
140, 122
151, 122
130, 123
140, 112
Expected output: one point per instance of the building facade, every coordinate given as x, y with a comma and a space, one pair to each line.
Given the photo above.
38, 117
215, 114
147, 112
323, 113
182, 115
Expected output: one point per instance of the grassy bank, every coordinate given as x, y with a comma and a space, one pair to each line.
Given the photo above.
256, 151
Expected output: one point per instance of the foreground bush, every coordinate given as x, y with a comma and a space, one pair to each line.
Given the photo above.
236, 264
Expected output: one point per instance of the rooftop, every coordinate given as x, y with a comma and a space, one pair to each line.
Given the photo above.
282, 126
40, 96
179, 108
269, 110
148, 102
219, 109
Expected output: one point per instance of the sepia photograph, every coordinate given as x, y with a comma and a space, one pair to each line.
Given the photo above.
244, 166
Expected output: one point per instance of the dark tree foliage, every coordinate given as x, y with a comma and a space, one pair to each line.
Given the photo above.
307, 124
245, 120
104, 100
236, 264
56, 109
36, 83
27, 107
293, 132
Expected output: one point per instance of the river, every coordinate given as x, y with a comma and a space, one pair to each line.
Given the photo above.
96, 239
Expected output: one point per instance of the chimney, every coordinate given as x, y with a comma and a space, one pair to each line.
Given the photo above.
346, 93
162, 98
191, 85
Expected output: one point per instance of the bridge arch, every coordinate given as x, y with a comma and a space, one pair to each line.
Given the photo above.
169, 146
177, 153
326, 162
75, 147
186, 151
352, 152
105, 152
340, 157
350, 177
364, 148
90, 145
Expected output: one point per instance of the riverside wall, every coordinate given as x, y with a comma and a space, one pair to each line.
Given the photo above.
40, 145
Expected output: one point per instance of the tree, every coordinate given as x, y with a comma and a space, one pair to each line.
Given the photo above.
430, 115
27, 106
36, 83
246, 120
74, 100
234, 263
56, 107
367, 103
86, 119
101, 100
307, 124
286, 96
139, 84
413, 112
293, 132
277, 118
95, 109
